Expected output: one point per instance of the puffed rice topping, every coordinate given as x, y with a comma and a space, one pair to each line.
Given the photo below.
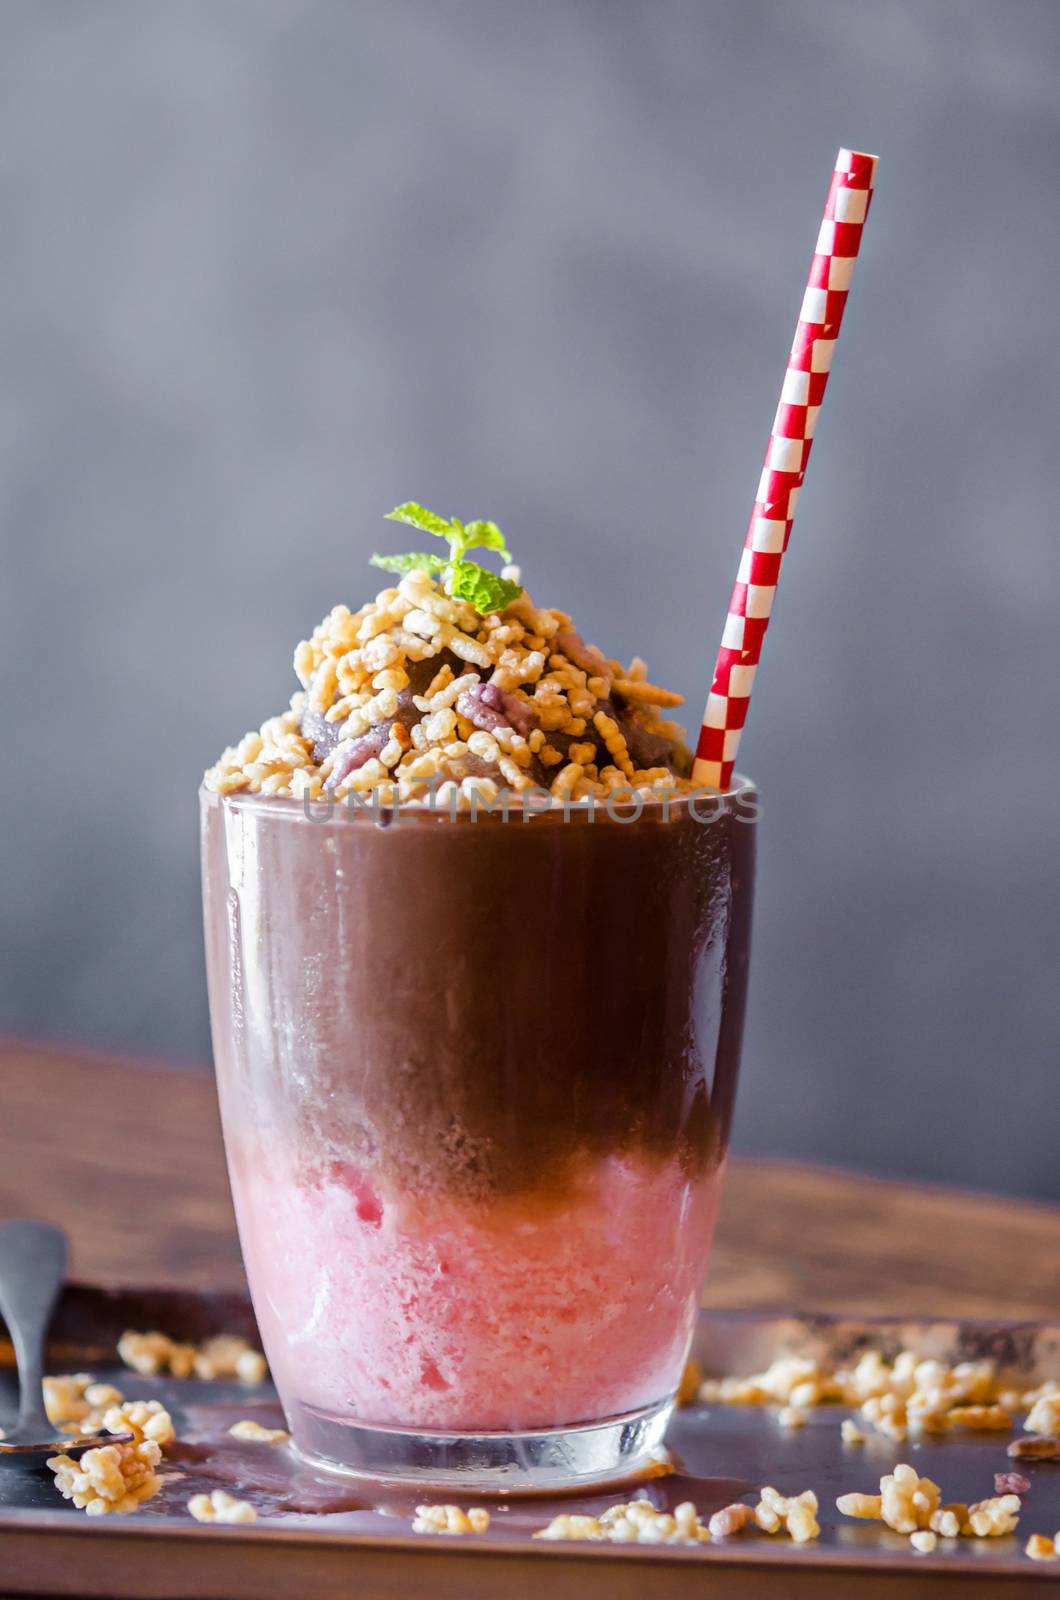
416, 690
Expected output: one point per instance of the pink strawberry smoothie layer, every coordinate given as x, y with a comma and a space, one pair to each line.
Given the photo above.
474, 1316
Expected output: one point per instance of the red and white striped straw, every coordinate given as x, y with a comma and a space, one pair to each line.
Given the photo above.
785, 467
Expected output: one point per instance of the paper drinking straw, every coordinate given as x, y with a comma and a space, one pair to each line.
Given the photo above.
788, 451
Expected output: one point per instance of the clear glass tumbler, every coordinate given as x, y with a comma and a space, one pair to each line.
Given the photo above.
476, 1079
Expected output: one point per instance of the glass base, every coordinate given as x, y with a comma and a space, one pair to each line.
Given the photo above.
590, 1453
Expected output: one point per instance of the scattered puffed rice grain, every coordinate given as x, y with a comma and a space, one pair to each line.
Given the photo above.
866, 1507
221, 1507
802, 1524
450, 1520
948, 1522
1034, 1450
571, 1526
250, 1429
730, 1520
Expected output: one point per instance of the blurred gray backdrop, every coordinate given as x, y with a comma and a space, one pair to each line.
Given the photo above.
270, 267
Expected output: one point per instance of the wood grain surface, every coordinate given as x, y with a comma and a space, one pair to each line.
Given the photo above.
127, 1157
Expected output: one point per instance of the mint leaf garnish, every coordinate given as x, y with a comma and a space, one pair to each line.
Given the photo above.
409, 562
417, 516
486, 536
464, 580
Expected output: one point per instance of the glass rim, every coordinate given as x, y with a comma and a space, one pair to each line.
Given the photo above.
652, 808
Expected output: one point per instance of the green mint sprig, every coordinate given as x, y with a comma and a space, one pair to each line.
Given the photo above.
486, 591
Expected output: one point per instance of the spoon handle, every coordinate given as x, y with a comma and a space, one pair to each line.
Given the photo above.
32, 1269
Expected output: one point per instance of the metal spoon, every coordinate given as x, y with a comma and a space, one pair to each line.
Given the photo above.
32, 1269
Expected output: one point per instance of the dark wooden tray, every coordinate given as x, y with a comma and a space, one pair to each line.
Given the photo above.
367, 1549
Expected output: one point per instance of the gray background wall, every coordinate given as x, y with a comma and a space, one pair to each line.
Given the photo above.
268, 268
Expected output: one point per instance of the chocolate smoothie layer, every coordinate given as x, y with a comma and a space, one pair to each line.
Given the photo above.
472, 1008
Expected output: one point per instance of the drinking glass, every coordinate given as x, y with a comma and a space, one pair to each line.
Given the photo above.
476, 1077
